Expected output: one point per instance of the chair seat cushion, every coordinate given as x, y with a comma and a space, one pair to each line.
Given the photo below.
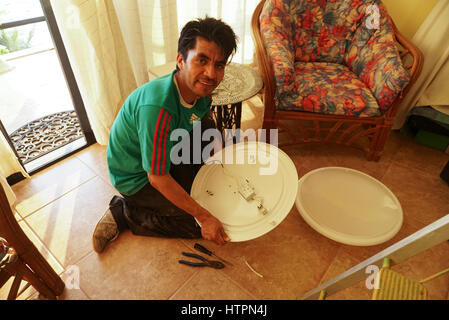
327, 88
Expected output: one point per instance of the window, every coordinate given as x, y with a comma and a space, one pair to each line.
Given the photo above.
42, 113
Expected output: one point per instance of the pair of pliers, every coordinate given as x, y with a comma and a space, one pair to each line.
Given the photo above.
204, 263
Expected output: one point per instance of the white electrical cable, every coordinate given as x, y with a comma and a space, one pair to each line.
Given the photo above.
257, 273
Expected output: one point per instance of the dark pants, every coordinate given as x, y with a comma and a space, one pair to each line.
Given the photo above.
149, 213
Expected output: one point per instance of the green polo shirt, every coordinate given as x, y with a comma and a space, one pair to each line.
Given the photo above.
139, 140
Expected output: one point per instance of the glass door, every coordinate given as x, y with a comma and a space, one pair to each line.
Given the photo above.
41, 110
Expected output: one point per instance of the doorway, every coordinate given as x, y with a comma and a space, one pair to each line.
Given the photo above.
42, 114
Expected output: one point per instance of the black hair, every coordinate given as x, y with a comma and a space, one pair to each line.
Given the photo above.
210, 29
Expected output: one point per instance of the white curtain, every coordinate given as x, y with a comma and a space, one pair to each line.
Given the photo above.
431, 88
100, 62
150, 32
9, 163
8, 191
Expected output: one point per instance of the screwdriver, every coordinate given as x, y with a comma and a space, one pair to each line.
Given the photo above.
202, 249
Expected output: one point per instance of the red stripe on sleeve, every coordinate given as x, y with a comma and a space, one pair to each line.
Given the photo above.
159, 151
165, 144
153, 159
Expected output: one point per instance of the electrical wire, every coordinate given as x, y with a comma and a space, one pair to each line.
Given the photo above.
257, 199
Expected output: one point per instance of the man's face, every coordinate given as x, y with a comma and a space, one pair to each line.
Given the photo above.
202, 71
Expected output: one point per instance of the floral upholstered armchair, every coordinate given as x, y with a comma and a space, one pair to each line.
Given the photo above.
336, 64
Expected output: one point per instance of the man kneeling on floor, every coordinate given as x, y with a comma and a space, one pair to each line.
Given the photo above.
155, 191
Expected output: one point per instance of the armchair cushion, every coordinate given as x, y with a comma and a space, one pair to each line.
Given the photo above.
325, 47
330, 88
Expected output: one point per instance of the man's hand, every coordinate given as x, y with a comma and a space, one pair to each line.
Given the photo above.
212, 229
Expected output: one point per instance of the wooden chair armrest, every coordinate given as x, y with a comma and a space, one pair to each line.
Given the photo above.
263, 63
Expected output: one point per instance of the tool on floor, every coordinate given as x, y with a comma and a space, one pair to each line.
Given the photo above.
202, 249
204, 263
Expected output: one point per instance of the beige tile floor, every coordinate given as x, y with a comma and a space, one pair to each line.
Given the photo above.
60, 206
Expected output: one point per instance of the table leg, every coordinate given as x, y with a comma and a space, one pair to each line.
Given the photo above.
228, 117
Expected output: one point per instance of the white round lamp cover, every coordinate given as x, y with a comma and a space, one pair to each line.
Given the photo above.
266, 168
348, 206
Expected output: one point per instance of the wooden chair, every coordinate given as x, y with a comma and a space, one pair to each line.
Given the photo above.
24, 261
390, 285
368, 133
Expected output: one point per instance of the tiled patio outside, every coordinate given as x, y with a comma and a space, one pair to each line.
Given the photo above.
35, 87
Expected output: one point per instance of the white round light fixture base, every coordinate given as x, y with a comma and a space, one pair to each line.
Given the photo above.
247, 167
348, 206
